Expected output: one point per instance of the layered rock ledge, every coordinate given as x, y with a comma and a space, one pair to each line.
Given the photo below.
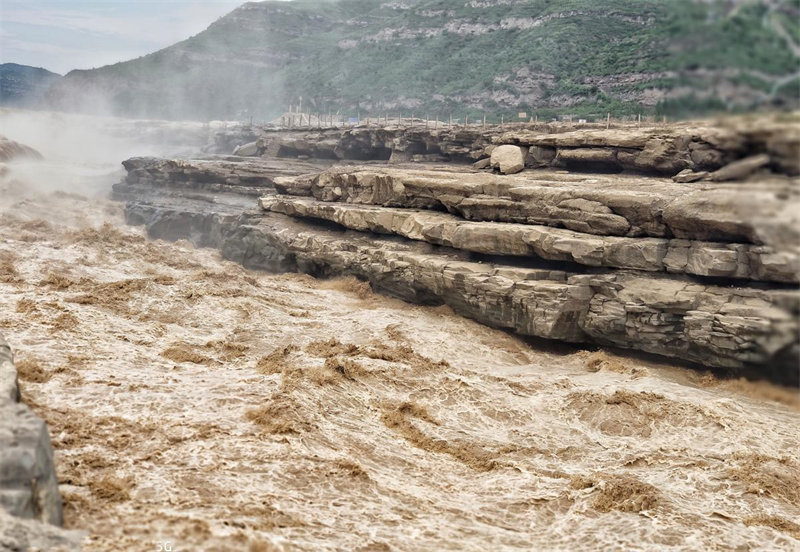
606, 205
362, 143
718, 259
662, 149
668, 149
703, 271
668, 315
214, 174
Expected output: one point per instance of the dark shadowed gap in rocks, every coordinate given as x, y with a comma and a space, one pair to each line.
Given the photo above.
289, 152
531, 262
593, 167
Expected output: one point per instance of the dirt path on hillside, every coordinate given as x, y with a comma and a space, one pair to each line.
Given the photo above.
196, 402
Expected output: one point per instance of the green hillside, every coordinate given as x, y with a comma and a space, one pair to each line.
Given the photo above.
568, 57
22, 85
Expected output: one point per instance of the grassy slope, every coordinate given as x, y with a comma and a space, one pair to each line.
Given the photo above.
261, 56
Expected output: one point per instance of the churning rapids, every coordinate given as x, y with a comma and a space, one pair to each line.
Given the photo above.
193, 401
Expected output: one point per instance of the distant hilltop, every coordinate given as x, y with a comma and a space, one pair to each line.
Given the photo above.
22, 85
581, 58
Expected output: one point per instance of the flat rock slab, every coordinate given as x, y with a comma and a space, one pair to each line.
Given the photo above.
604, 205
556, 244
246, 176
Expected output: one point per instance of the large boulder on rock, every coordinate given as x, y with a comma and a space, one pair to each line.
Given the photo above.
247, 150
509, 159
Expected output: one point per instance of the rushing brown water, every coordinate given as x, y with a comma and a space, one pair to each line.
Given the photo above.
195, 402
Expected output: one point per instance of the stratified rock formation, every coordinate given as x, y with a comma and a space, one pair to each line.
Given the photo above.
422, 142
669, 149
214, 174
705, 270
28, 484
699, 148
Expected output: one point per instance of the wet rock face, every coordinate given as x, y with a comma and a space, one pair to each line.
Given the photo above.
718, 259
704, 270
669, 315
28, 484
26, 534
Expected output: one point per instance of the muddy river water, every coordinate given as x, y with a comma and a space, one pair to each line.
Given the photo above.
194, 402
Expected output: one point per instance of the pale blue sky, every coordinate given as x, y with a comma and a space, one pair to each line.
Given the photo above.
61, 35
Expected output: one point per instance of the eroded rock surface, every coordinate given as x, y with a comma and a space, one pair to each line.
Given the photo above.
28, 484
669, 149
662, 149
694, 269
730, 260
213, 174
607, 205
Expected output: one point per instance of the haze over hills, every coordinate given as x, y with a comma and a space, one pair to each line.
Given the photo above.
22, 85
578, 57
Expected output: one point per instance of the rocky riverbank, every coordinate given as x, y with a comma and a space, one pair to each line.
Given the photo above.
30, 502
198, 404
702, 271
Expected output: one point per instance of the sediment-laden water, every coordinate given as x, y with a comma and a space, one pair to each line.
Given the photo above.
196, 402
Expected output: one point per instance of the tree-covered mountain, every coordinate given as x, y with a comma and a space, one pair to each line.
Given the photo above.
547, 57
22, 85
